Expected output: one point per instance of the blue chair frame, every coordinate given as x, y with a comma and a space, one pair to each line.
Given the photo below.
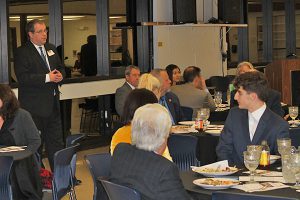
5, 169
119, 192
62, 182
183, 151
99, 165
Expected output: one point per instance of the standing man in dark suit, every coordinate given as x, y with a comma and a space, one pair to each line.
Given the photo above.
168, 99
142, 166
132, 76
251, 122
89, 56
39, 72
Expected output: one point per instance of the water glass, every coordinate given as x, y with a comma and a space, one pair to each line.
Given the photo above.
293, 112
218, 98
203, 113
284, 145
295, 168
251, 161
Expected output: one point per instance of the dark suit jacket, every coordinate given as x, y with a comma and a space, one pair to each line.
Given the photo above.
235, 136
273, 101
35, 95
89, 59
152, 175
120, 97
174, 107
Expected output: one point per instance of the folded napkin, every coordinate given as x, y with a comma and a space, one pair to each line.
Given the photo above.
266, 173
260, 187
263, 178
217, 165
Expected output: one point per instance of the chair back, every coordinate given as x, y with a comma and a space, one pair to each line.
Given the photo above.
119, 192
70, 141
244, 196
5, 168
183, 151
63, 176
99, 165
187, 113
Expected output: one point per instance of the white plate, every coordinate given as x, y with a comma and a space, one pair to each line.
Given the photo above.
213, 131
188, 123
201, 182
297, 122
222, 105
273, 158
214, 174
182, 129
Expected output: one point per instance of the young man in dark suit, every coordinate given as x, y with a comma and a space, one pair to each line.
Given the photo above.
142, 166
39, 72
251, 122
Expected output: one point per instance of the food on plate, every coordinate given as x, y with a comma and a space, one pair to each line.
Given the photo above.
216, 182
181, 128
214, 170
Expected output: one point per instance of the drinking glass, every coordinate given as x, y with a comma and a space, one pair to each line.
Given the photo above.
203, 113
293, 112
218, 98
251, 161
295, 168
284, 145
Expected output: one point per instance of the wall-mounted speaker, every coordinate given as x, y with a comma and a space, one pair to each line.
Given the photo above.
232, 11
184, 11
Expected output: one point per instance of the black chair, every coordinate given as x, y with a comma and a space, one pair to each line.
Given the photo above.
187, 113
241, 196
70, 141
99, 165
183, 151
62, 182
89, 121
119, 192
5, 168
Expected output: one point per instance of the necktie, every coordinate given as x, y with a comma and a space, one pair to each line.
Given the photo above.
43, 57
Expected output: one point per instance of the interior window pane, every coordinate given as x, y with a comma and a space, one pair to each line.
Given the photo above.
279, 40
297, 7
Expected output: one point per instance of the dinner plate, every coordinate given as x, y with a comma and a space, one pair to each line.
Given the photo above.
182, 129
212, 183
273, 158
222, 105
188, 123
297, 122
203, 171
213, 131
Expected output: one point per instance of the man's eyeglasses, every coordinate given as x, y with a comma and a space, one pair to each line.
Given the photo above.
41, 31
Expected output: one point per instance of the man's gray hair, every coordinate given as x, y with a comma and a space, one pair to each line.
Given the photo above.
151, 125
156, 73
129, 68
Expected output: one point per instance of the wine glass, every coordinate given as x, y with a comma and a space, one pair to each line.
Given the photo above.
218, 98
203, 113
293, 112
251, 161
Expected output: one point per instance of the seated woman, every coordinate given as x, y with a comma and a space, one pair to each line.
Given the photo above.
150, 82
174, 74
135, 99
18, 129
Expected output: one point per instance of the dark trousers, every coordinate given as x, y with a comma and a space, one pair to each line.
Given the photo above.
51, 133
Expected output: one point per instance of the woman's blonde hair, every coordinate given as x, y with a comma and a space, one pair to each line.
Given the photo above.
245, 63
151, 83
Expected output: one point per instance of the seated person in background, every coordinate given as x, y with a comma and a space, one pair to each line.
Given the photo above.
251, 122
132, 75
168, 99
140, 165
194, 93
273, 96
174, 74
18, 129
135, 99
149, 82
77, 65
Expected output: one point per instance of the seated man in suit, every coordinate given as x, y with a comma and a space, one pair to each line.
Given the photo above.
132, 75
273, 96
194, 93
168, 99
141, 166
251, 122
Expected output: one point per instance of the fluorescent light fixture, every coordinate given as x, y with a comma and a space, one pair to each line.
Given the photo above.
116, 17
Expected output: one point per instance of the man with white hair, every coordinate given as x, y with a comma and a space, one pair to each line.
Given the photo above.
140, 165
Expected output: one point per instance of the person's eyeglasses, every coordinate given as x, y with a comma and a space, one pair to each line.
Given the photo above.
41, 31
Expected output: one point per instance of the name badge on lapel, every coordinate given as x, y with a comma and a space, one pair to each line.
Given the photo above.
50, 53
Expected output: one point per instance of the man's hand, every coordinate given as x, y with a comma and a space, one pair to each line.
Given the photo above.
202, 83
55, 76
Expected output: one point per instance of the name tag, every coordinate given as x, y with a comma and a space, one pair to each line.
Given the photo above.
50, 53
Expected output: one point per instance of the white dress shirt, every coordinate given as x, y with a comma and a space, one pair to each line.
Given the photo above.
254, 118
